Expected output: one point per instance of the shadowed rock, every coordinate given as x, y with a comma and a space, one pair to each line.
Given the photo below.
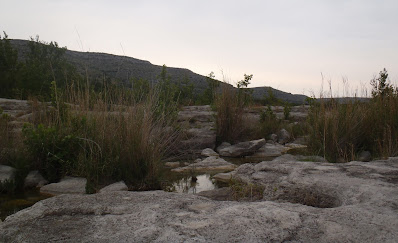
242, 149
68, 185
209, 164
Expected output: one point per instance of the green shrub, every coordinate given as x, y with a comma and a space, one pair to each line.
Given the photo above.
54, 152
269, 123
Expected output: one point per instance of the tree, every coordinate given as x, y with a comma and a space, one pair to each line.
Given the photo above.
9, 67
381, 85
245, 94
44, 64
210, 92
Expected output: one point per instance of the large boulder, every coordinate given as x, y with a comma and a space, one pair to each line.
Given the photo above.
365, 156
212, 163
223, 145
6, 173
34, 179
68, 185
207, 152
283, 136
242, 149
302, 202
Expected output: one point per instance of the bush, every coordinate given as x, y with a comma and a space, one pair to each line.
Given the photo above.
269, 123
54, 152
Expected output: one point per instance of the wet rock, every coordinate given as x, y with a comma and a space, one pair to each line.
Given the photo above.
209, 164
118, 186
283, 136
34, 179
242, 149
224, 177
365, 156
6, 173
68, 185
209, 152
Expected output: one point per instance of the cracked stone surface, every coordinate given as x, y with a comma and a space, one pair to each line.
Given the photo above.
352, 202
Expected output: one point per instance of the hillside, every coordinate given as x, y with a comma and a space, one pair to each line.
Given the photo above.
122, 68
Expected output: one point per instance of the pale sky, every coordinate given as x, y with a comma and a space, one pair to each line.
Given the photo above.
285, 44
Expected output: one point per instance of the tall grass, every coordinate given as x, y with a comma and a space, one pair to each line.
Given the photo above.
340, 131
230, 115
104, 137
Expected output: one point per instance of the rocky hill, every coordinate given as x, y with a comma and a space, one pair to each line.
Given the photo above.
122, 68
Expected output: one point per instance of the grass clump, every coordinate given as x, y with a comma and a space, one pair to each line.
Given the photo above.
104, 137
246, 192
230, 106
339, 132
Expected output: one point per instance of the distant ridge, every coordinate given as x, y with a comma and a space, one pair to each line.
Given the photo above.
123, 68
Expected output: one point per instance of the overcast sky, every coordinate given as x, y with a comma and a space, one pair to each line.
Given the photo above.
285, 44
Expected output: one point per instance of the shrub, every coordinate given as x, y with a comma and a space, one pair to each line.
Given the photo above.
54, 152
269, 123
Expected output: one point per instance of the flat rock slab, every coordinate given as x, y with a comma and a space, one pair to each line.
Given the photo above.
209, 164
170, 217
68, 185
242, 149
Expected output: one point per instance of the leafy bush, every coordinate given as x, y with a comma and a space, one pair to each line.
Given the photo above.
54, 153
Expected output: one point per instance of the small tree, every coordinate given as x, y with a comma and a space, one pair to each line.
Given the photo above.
245, 94
381, 85
210, 92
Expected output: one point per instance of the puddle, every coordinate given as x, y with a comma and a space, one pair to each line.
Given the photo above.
183, 182
10, 204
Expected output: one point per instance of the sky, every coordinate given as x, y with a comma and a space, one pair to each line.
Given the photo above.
297, 46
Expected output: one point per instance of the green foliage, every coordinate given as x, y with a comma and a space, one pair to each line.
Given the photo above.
185, 90
230, 105
168, 94
54, 153
245, 94
341, 131
269, 123
141, 88
9, 68
208, 96
271, 99
6, 141
286, 111
381, 85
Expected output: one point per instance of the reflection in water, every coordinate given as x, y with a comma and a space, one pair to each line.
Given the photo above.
187, 185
